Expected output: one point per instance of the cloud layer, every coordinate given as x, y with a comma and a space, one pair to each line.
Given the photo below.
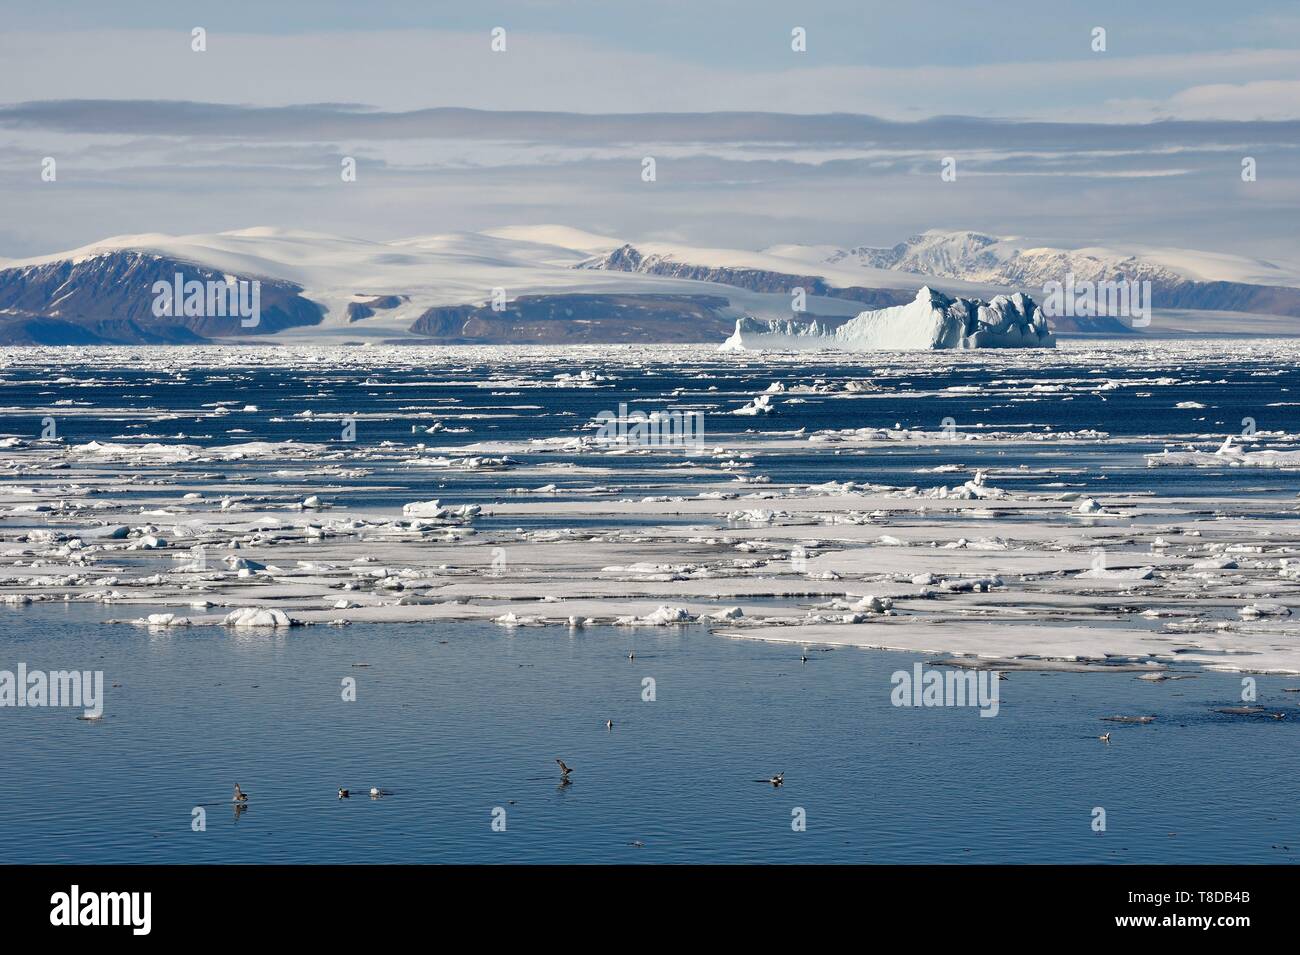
753, 143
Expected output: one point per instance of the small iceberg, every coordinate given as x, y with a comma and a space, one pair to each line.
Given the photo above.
257, 617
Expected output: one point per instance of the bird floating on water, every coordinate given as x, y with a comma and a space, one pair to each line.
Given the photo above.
631, 655
240, 795
609, 724
776, 780
1104, 738
344, 793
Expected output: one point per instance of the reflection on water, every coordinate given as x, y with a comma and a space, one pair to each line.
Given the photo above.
466, 732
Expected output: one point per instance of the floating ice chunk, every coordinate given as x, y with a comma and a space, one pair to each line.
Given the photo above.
433, 510
1124, 573
244, 563
165, 620
265, 449
756, 516
667, 615
871, 604
116, 532
257, 617
731, 613
162, 453
762, 404
1228, 454
968, 584
1256, 610
662, 617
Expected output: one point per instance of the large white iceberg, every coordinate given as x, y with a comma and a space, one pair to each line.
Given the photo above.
931, 320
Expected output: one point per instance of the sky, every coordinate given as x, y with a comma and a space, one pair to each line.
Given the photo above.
754, 142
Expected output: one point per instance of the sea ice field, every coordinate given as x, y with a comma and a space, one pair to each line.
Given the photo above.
232, 534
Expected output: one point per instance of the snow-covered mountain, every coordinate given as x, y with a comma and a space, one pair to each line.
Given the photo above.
315, 286
931, 320
1179, 278
975, 257
527, 284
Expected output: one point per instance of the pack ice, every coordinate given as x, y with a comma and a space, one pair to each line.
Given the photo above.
932, 320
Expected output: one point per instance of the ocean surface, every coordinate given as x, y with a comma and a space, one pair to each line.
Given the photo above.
457, 720
520, 396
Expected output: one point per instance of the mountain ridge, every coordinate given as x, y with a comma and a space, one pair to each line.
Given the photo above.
322, 287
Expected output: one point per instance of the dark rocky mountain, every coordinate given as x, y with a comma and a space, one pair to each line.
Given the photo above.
108, 299
581, 319
358, 311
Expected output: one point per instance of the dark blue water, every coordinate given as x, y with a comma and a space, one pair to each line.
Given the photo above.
460, 718
514, 402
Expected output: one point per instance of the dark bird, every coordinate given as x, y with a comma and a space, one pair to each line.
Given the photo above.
240, 795
776, 780
564, 770
344, 794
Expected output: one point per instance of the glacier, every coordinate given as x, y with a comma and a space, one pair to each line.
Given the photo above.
931, 321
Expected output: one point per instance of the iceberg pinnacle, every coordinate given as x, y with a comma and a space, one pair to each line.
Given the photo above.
932, 320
